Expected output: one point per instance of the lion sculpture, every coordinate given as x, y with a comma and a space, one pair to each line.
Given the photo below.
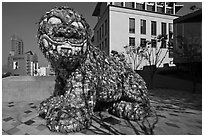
87, 80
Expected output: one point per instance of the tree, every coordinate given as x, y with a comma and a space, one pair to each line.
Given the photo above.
136, 54
191, 55
194, 7
149, 51
156, 54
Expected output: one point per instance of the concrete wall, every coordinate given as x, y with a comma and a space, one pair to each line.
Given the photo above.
27, 88
169, 82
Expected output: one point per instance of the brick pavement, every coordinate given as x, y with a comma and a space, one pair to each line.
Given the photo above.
21, 118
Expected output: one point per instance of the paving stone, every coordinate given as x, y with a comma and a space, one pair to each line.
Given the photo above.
77, 133
126, 130
4, 133
29, 122
47, 132
39, 121
111, 120
13, 131
28, 117
30, 103
89, 132
33, 107
27, 112
32, 131
21, 132
161, 116
16, 123
173, 114
7, 119
200, 127
41, 127
172, 125
159, 131
199, 121
100, 131
7, 126
10, 102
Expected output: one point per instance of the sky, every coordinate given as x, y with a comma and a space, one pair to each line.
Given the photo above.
20, 17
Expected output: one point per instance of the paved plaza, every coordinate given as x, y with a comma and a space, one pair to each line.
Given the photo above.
177, 113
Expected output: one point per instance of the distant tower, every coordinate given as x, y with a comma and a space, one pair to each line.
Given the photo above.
16, 45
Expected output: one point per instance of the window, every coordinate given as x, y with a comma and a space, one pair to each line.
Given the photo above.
102, 30
97, 36
154, 43
153, 28
130, 4
100, 34
131, 41
102, 46
140, 5
170, 30
106, 43
15, 65
131, 25
163, 28
118, 3
163, 42
143, 26
106, 27
19, 49
143, 42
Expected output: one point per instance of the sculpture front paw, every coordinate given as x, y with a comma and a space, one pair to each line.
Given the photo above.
63, 117
69, 119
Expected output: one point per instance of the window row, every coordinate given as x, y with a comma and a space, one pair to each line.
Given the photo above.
102, 31
153, 27
143, 42
150, 6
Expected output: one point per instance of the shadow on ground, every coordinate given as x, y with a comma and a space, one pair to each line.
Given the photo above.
167, 98
106, 124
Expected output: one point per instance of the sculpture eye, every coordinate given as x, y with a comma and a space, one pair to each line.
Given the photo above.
80, 25
54, 20
75, 24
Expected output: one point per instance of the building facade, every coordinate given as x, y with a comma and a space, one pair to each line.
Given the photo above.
132, 23
20, 63
46, 71
188, 38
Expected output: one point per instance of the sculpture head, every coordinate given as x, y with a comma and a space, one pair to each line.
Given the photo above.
63, 37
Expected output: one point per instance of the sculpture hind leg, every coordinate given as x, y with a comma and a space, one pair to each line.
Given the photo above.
134, 103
